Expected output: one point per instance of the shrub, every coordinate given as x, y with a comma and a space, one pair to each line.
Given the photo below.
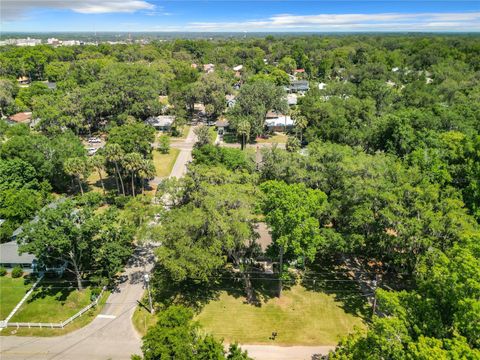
3, 271
17, 272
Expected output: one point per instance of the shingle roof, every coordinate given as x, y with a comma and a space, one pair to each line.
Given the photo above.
9, 254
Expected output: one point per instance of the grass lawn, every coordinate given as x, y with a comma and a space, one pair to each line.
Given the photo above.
300, 317
142, 319
52, 301
11, 292
75, 325
164, 162
183, 134
279, 138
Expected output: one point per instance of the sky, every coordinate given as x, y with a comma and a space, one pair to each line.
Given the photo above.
239, 16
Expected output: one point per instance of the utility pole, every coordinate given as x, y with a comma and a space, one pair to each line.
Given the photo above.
374, 283
146, 278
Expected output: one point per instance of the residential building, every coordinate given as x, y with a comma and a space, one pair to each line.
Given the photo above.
161, 122
278, 122
20, 118
298, 86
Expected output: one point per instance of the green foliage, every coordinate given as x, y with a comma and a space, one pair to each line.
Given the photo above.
17, 272
3, 271
176, 336
133, 137
293, 213
164, 144
91, 243
232, 159
203, 136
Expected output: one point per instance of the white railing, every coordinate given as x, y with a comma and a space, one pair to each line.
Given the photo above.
60, 325
15, 309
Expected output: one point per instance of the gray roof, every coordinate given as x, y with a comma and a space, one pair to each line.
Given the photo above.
299, 85
162, 120
9, 254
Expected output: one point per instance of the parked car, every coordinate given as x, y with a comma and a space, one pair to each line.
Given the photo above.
94, 140
91, 151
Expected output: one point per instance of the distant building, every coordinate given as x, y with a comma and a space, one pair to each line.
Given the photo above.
209, 68
23, 80
298, 86
292, 99
231, 101
20, 118
278, 122
221, 126
161, 122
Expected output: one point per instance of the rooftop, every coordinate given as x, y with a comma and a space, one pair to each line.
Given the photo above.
9, 254
21, 117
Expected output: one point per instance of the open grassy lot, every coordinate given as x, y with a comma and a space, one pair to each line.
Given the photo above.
279, 138
300, 317
164, 162
11, 292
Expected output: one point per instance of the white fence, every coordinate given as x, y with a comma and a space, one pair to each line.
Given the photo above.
60, 325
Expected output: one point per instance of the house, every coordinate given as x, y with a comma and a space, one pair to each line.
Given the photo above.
10, 257
292, 99
209, 68
161, 122
299, 71
22, 118
23, 80
322, 86
298, 86
278, 122
238, 68
221, 126
230, 99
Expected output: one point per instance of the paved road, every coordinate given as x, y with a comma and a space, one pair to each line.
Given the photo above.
109, 336
270, 352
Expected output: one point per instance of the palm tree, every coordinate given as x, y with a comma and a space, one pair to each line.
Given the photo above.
114, 153
77, 167
301, 122
133, 163
147, 171
98, 163
243, 130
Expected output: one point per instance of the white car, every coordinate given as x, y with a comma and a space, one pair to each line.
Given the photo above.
91, 151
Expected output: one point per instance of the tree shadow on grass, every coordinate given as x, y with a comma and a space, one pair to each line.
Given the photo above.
196, 295
58, 288
328, 278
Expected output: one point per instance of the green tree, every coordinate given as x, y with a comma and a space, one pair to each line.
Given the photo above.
115, 154
203, 135
79, 168
164, 144
293, 212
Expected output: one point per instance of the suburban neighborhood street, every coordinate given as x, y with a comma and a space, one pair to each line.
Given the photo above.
111, 334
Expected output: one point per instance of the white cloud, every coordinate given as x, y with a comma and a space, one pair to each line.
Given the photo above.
14, 9
469, 21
